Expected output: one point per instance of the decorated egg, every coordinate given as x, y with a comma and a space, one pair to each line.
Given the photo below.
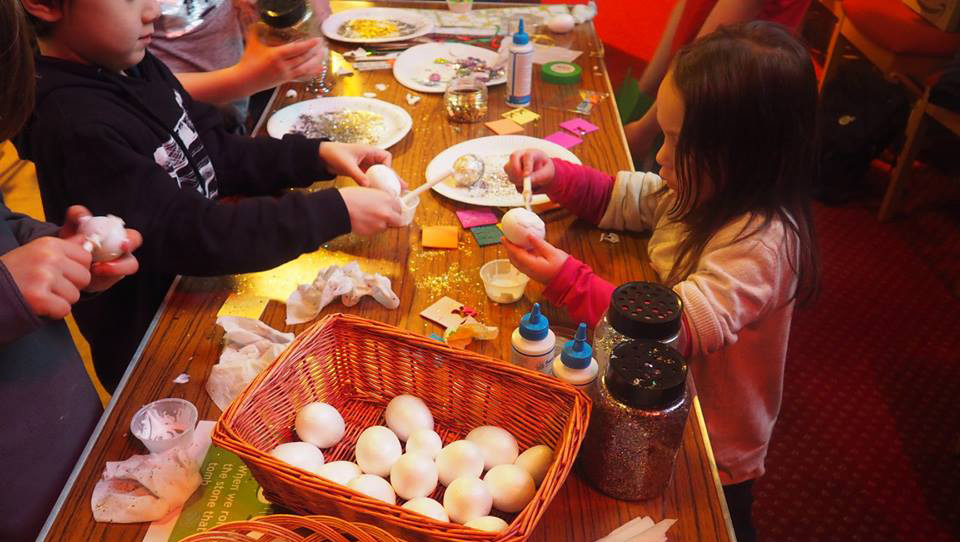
104, 236
497, 446
458, 459
373, 486
406, 414
428, 507
491, 524
511, 487
536, 461
518, 223
339, 472
320, 424
383, 178
467, 498
413, 475
377, 450
562, 23
302, 455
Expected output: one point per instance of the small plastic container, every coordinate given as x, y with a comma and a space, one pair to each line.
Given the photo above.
165, 424
408, 210
503, 282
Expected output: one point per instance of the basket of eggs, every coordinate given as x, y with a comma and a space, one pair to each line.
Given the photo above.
378, 425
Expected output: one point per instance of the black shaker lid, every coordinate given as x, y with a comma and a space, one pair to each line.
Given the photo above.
646, 374
282, 13
646, 310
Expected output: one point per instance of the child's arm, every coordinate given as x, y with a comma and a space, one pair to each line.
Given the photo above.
633, 202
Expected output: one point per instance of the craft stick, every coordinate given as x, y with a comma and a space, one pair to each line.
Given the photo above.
527, 192
629, 529
409, 196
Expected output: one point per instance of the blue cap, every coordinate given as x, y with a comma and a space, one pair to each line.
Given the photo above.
521, 37
534, 326
577, 352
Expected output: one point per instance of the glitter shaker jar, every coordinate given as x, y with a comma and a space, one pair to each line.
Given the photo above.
466, 99
639, 410
638, 311
286, 21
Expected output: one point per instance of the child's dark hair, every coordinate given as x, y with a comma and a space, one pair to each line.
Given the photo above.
750, 128
17, 75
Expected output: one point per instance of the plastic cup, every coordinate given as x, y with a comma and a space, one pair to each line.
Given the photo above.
165, 424
409, 210
503, 282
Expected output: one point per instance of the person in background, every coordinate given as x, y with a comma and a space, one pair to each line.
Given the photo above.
205, 44
691, 19
732, 230
49, 404
113, 129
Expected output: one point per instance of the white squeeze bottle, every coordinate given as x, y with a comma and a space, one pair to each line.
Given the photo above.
520, 69
533, 342
575, 365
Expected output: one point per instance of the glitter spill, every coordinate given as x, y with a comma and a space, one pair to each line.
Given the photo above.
343, 126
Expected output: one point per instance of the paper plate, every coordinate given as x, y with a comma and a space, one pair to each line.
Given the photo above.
420, 24
397, 121
492, 149
414, 64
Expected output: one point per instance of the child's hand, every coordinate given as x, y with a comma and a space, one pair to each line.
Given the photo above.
50, 273
534, 163
371, 210
541, 263
262, 67
104, 274
352, 159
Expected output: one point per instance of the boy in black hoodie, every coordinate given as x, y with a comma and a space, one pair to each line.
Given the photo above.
115, 131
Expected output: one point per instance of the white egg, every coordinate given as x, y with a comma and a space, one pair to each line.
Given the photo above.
496, 445
302, 455
103, 236
377, 450
320, 424
491, 524
518, 223
383, 178
458, 459
428, 507
339, 472
511, 487
467, 498
426, 442
373, 486
536, 461
405, 414
413, 475
561, 23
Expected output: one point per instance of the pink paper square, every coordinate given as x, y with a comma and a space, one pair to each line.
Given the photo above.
471, 219
579, 126
564, 139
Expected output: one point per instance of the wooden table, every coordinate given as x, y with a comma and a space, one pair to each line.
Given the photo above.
184, 337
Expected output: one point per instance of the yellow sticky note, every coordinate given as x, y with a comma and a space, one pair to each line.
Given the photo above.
504, 126
521, 115
440, 236
244, 306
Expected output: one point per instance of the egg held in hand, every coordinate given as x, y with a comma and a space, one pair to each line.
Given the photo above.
103, 236
383, 178
518, 223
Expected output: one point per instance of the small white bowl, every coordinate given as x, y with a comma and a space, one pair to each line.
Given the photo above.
165, 424
408, 211
503, 282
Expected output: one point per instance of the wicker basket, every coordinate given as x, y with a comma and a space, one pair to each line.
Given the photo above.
287, 528
358, 365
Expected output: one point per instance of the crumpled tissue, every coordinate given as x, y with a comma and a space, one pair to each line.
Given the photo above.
145, 487
248, 347
347, 282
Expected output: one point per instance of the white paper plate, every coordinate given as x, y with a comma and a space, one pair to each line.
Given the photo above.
397, 121
412, 65
488, 147
331, 26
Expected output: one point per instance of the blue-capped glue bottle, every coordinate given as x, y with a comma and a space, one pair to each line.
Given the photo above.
533, 341
575, 364
520, 69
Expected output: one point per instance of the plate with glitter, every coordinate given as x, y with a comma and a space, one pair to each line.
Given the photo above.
430, 66
494, 189
347, 119
376, 25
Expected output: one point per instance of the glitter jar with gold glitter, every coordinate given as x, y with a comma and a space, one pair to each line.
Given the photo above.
466, 99
287, 21
640, 407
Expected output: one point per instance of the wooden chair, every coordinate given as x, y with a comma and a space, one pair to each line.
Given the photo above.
906, 48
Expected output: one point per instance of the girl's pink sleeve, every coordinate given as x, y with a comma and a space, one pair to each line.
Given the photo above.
584, 191
578, 289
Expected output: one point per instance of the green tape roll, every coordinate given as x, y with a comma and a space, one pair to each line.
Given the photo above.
562, 73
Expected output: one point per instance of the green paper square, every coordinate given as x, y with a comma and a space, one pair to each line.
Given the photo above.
487, 235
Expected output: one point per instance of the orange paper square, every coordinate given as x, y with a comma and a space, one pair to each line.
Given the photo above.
504, 126
440, 236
